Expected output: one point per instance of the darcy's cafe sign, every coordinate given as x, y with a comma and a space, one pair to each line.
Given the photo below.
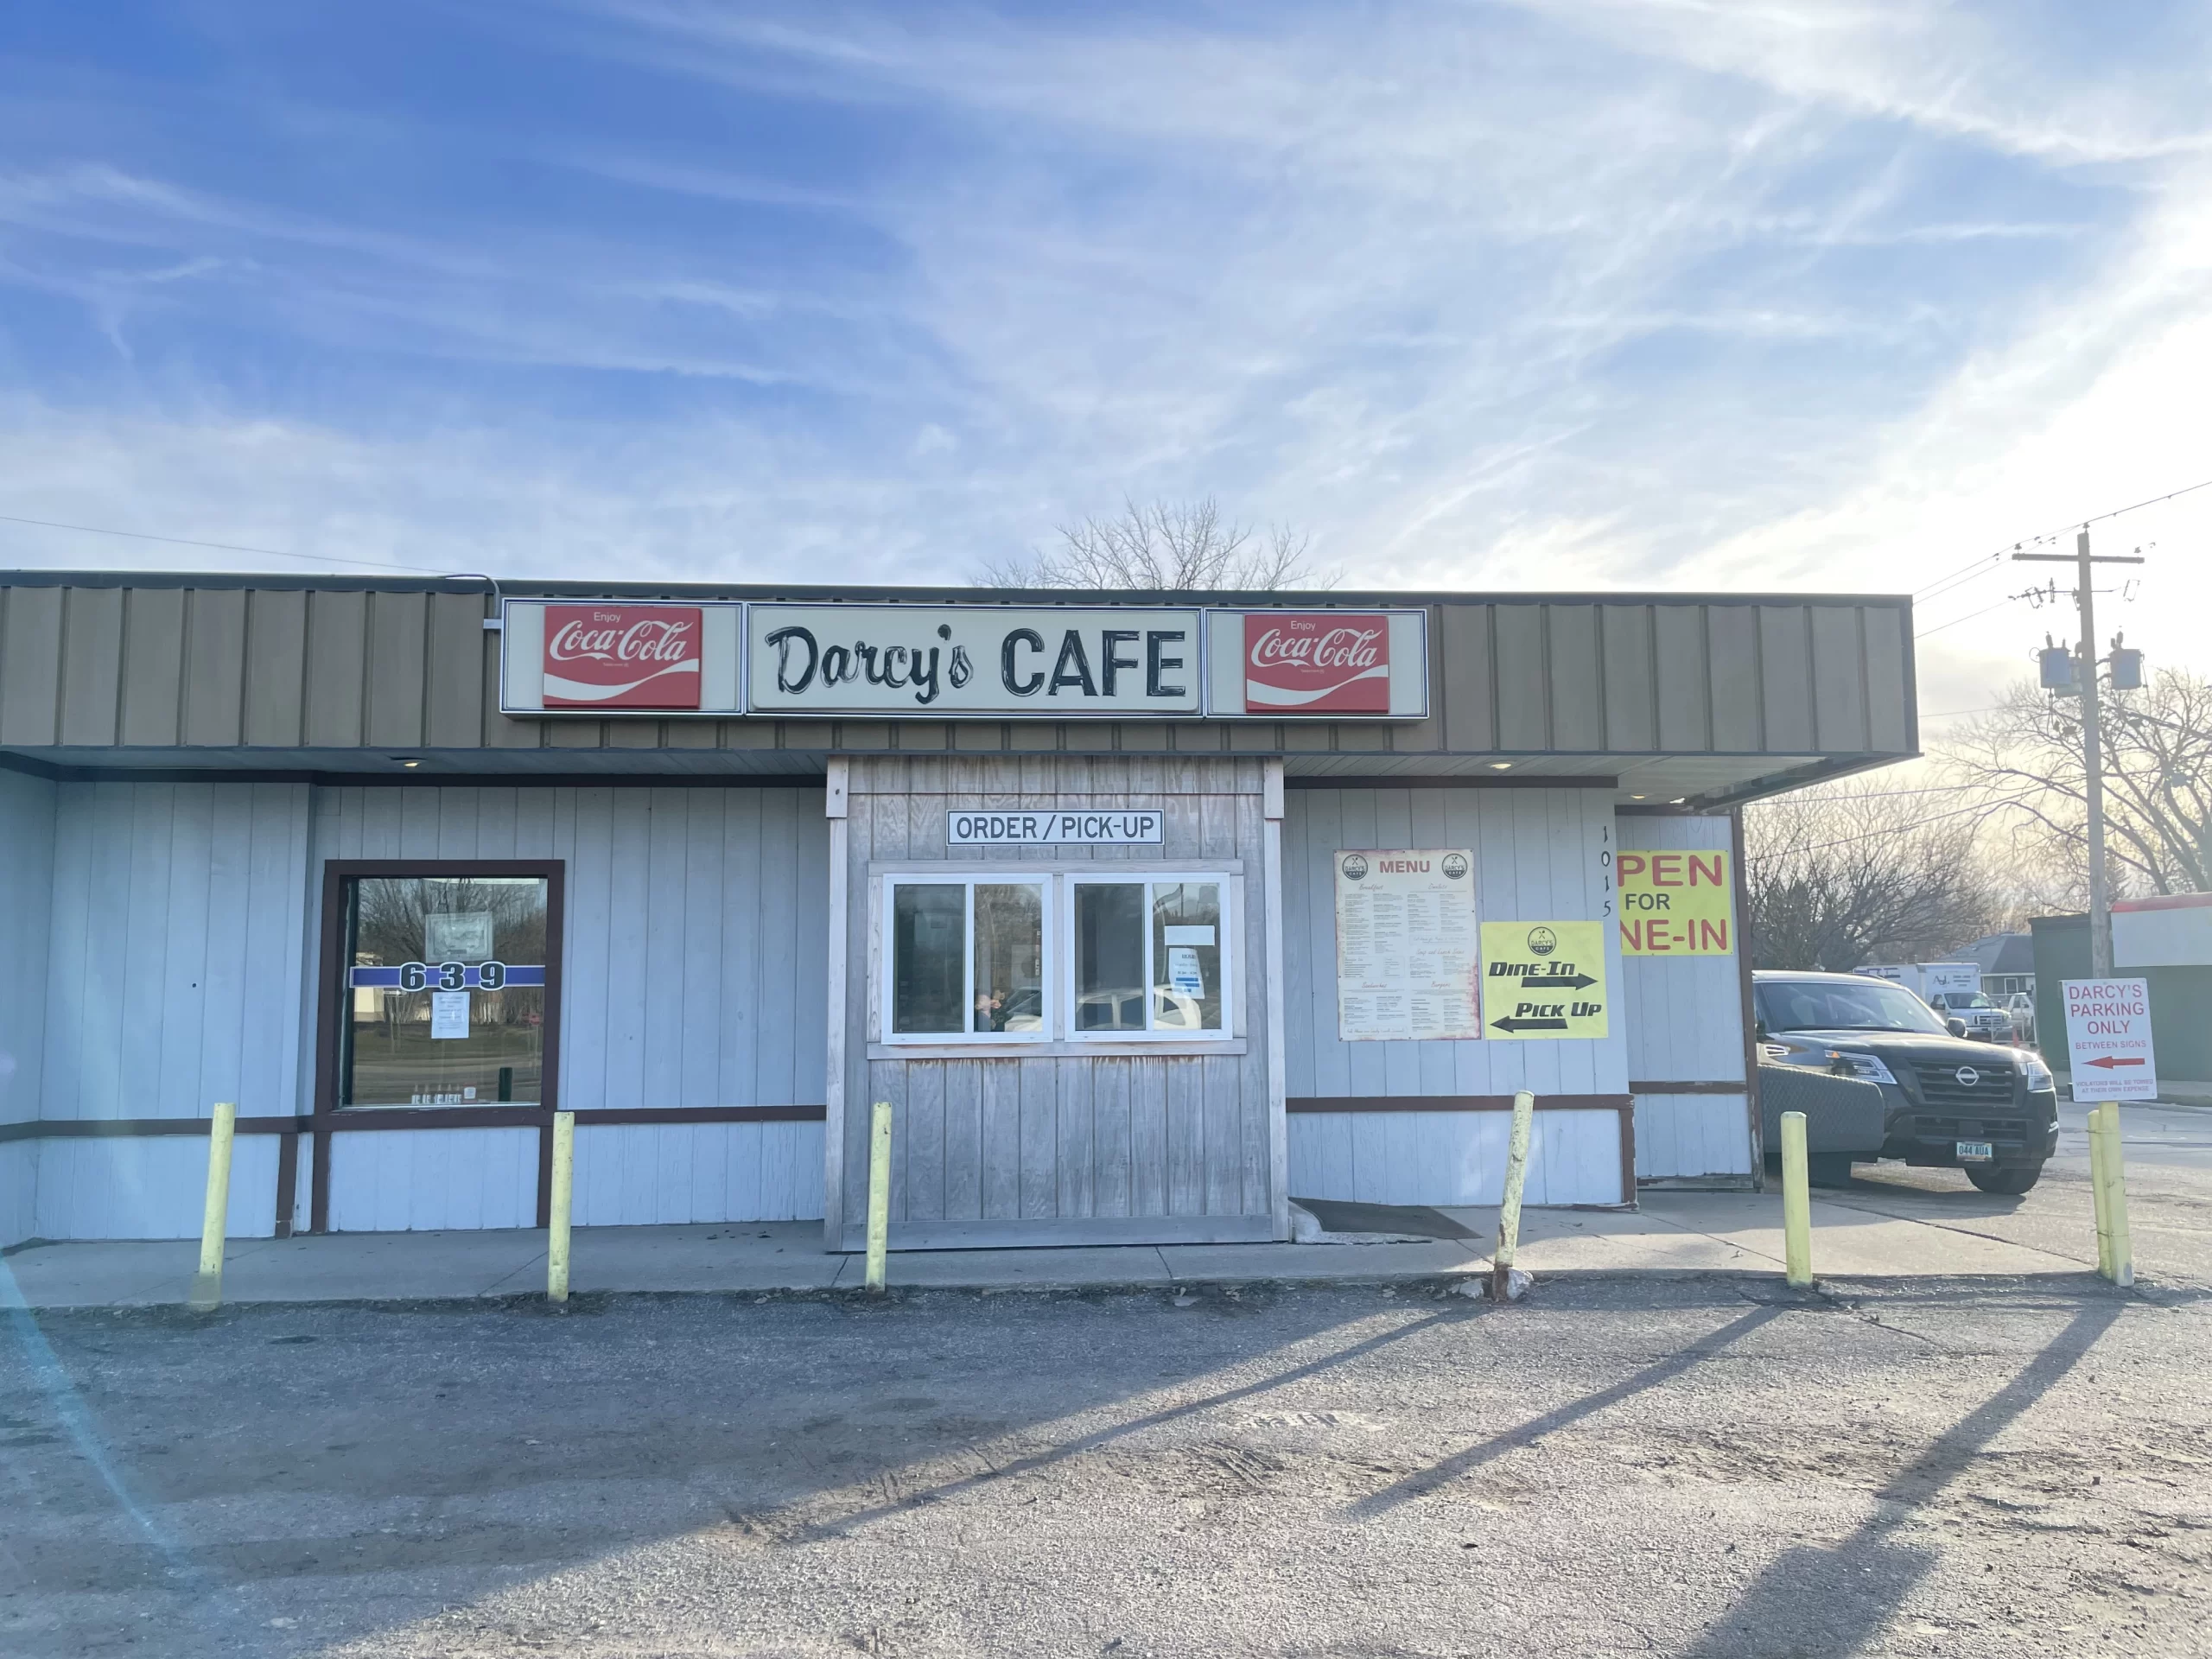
996, 661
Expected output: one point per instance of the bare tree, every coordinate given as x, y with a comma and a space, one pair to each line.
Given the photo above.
2023, 761
1166, 547
1849, 873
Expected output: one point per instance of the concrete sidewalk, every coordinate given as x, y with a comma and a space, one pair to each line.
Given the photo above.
1672, 1233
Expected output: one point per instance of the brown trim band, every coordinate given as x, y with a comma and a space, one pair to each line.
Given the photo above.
102, 1128
1452, 1103
1688, 1088
402, 1117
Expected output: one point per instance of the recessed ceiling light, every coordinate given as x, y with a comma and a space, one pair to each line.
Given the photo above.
1500, 765
1635, 798
1678, 800
407, 759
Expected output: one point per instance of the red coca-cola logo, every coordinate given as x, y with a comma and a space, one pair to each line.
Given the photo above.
1319, 663
622, 656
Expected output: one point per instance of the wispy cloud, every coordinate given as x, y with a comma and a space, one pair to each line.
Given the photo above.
1567, 291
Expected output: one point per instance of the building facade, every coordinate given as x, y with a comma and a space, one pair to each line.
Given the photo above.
1147, 916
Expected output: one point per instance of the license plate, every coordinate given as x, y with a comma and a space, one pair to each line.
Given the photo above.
1976, 1151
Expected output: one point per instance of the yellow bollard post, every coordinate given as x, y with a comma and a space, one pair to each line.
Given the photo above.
2099, 1200
207, 1283
1509, 1207
564, 1193
1796, 1204
2123, 1246
878, 1194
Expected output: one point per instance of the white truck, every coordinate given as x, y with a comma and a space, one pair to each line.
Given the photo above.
1953, 990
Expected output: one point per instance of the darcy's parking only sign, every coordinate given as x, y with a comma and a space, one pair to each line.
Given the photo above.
2109, 1040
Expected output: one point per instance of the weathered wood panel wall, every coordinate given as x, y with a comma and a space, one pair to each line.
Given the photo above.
1686, 1025
1455, 1158
693, 962
175, 978
1060, 1149
1540, 854
26, 828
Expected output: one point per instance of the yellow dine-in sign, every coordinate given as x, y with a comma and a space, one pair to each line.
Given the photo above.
1543, 979
1675, 904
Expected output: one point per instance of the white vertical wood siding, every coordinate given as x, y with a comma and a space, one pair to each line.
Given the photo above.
150, 1187
694, 958
424, 1180
1455, 1157
1071, 1149
1540, 856
26, 821
1686, 1025
694, 1172
19, 1161
175, 978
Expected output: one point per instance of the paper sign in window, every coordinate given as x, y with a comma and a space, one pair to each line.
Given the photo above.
448, 1014
1184, 975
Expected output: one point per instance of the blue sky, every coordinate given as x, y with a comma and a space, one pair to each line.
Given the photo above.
1823, 294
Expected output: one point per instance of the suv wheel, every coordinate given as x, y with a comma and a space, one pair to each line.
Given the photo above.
2012, 1180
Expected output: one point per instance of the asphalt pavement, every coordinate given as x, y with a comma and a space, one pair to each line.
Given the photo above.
1992, 1463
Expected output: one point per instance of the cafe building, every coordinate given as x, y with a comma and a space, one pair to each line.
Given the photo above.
1147, 914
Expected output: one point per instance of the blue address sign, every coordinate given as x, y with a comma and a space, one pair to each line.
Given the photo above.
446, 976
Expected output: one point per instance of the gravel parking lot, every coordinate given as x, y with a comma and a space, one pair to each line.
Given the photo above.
1703, 1467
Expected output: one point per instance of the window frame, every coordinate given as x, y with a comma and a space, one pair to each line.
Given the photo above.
1057, 1037
333, 1001
968, 879
1148, 877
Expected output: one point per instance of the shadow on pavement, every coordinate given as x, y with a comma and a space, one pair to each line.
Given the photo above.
1812, 1599
1450, 1469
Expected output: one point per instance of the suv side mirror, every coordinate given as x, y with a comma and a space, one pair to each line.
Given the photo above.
1956, 1027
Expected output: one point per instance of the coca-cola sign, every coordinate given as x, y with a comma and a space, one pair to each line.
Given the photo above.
622, 656
1317, 663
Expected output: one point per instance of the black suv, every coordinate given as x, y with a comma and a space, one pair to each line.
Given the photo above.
1952, 1104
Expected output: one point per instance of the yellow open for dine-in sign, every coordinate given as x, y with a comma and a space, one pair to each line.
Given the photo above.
1543, 979
1675, 904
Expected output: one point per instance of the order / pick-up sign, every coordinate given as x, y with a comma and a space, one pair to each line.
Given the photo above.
2109, 1040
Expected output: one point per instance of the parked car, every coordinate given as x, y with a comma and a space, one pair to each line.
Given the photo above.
1845, 1119
1985, 1022
1951, 1103
2022, 1007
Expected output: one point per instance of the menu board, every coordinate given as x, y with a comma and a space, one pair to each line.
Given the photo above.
1406, 946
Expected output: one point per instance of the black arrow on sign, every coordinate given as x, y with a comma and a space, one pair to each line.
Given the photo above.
1529, 1025
1572, 982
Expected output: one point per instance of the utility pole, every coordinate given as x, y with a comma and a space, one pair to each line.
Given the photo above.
2093, 760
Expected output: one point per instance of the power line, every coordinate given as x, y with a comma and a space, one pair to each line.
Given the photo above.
1969, 617
2187, 489
1982, 567
1967, 572
1953, 714
1887, 794
1891, 834
221, 547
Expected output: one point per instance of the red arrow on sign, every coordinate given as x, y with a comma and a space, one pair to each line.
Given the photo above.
2108, 1061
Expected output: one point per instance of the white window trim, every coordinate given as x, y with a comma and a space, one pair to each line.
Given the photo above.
1098, 875
967, 879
